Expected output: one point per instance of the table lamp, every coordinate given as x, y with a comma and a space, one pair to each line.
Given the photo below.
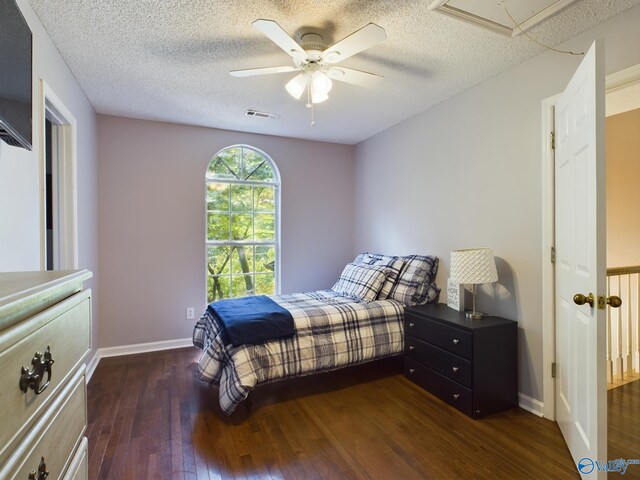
473, 266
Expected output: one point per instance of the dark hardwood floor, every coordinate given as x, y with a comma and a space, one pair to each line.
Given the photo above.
149, 417
624, 425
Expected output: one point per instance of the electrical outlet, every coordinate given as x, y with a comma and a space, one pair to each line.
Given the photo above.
191, 313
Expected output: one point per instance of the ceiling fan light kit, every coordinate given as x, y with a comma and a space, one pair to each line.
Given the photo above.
318, 82
315, 63
297, 85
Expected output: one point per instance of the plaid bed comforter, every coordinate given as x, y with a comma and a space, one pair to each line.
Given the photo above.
332, 331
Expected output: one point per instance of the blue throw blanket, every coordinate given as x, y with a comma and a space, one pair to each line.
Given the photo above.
253, 319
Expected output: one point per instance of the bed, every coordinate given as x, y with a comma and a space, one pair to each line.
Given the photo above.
359, 319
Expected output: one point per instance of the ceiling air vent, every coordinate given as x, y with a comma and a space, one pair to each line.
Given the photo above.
255, 113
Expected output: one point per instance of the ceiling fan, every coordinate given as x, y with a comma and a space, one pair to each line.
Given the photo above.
316, 63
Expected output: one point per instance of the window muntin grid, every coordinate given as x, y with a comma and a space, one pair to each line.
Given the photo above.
242, 229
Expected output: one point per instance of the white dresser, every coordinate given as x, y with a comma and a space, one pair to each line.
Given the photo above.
45, 336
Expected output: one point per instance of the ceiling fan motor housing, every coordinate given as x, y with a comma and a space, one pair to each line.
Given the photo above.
312, 44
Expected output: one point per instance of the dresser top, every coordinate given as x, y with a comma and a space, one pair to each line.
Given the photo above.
441, 312
23, 294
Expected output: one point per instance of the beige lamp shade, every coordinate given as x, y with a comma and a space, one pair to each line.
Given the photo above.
473, 266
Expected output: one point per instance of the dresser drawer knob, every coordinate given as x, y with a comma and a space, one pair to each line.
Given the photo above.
455, 369
411, 370
41, 473
411, 324
33, 379
411, 348
456, 341
456, 396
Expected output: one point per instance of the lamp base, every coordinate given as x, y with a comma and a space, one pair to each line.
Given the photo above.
474, 315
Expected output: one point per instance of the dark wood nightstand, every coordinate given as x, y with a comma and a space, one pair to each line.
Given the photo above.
470, 364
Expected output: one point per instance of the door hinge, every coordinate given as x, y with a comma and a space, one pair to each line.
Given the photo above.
553, 254
553, 140
553, 370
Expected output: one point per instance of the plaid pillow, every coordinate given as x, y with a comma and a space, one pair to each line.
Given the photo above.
432, 292
415, 285
394, 267
416, 282
360, 257
361, 282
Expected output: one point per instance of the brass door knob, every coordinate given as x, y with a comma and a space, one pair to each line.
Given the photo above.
614, 301
580, 299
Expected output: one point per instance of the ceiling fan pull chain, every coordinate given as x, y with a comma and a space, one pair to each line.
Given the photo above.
311, 106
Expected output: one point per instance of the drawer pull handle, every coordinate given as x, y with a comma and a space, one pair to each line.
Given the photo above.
455, 369
456, 341
41, 473
411, 348
33, 379
411, 370
411, 324
456, 396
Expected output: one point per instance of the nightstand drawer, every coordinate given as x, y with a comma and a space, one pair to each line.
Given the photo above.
451, 392
448, 338
448, 364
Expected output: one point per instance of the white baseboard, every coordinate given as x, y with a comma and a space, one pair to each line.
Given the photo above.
531, 404
145, 347
134, 349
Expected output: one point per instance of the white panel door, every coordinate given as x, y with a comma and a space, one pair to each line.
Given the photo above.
581, 408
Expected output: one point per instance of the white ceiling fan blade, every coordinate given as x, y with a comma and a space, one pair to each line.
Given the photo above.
278, 36
355, 77
262, 71
360, 40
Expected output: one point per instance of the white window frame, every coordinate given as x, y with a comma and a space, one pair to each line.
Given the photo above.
277, 186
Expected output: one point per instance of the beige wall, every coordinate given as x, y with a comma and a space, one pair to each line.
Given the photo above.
152, 221
20, 170
623, 189
468, 173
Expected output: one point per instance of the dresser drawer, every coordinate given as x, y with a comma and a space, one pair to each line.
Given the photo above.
448, 338
54, 438
451, 392
79, 467
65, 328
448, 364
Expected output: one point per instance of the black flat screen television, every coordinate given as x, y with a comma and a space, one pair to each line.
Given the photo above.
15, 76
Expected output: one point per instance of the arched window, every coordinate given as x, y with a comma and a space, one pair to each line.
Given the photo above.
243, 197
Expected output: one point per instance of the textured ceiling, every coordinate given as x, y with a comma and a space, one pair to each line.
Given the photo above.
169, 60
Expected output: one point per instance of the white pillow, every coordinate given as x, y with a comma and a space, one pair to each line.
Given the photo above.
361, 282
